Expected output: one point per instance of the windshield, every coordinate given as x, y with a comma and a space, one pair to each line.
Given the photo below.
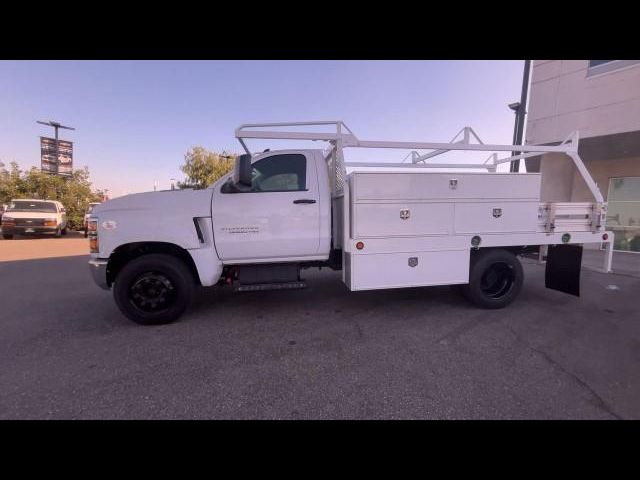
32, 206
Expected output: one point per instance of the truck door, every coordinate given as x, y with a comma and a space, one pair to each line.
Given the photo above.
278, 219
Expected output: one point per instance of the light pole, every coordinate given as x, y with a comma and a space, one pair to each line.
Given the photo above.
56, 126
515, 107
520, 109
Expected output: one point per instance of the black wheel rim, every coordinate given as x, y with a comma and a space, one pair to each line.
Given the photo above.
152, 292
497, 280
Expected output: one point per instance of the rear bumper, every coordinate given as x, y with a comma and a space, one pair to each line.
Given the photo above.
98, 267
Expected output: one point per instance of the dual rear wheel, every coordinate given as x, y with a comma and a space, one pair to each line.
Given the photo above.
495, 278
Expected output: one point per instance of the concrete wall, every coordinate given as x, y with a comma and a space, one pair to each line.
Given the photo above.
557, 177
602, 171
561, 181
564, 97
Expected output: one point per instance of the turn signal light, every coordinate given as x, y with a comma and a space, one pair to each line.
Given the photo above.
605, 236
359, 245
92, 231
50, 223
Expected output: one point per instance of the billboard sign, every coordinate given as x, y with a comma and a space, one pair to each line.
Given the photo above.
48, 163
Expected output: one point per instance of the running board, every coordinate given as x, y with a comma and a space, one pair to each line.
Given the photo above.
271, 286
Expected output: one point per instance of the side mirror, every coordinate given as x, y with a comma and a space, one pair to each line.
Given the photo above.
242, 170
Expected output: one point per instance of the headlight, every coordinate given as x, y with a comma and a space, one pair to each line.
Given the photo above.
92, 232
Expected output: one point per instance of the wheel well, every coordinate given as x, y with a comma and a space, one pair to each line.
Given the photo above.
127, 252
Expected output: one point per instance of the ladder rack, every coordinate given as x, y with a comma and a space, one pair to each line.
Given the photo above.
343, 137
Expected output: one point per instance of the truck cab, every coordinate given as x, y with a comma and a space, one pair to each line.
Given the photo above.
281, 214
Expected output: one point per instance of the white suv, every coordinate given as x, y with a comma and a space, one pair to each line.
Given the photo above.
28, 216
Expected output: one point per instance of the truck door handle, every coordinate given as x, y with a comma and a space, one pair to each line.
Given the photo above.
304, 200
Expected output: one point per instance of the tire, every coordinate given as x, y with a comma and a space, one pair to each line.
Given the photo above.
136, 293
86, 233
58, 233
495, 278
7, 236
64, 231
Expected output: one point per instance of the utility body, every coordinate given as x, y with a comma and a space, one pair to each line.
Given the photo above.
383, 225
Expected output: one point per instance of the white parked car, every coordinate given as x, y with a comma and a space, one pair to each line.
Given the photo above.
383, 225
27, 216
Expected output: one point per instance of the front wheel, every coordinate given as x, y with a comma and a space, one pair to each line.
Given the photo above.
7, 236
154, 289
495, 278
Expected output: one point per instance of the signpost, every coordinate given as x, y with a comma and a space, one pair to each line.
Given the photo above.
56, 156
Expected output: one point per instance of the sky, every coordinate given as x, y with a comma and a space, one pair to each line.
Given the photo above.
135, 120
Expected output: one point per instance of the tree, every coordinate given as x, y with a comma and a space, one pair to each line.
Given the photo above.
74, 192
9, 182
203, 167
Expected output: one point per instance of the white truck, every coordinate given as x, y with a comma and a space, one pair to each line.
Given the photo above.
383, 225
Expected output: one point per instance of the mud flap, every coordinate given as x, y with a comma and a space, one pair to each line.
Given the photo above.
563, 268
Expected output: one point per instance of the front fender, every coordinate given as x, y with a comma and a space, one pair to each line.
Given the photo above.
119, 227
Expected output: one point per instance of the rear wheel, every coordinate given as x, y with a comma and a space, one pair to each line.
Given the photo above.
154, 289
495, 278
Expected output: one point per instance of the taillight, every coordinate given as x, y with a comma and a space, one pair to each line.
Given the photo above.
92, 233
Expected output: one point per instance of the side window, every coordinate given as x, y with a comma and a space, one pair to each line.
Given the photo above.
280, 173
597, 67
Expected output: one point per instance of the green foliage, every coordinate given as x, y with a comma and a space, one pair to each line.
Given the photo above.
203, 167
74, 192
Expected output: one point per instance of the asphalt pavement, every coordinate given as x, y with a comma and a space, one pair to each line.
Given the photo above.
320, 353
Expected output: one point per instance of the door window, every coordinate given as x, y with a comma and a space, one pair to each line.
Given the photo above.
280, 173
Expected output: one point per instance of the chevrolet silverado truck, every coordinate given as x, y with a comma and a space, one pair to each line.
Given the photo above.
383, 225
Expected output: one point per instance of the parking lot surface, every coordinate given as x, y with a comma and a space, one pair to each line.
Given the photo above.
318, 353
43, 246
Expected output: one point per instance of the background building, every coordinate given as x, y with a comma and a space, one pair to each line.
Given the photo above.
601, 99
